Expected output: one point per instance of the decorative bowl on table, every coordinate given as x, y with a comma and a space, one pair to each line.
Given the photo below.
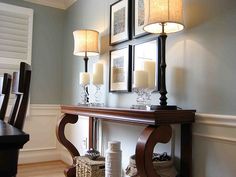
92, 154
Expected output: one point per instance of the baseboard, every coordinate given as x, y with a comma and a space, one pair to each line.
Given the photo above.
39, 155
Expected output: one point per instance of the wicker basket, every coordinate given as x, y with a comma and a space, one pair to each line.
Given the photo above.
86, 167
163, 168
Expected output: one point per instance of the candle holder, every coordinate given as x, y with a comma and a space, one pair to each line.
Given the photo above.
97, 96
140, 84
84, 96
148, 94
141, 100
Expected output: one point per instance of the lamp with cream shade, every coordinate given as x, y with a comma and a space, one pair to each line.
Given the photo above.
86, 44
162, 17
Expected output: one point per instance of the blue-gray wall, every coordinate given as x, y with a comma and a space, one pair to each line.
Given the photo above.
47, 50
200, 60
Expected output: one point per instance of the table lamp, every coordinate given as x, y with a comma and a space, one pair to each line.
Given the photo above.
162, 17
86, 44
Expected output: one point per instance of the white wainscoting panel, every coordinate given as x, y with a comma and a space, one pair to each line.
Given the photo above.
41, 125
214, 145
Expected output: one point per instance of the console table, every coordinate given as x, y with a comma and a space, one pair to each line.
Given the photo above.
158, 130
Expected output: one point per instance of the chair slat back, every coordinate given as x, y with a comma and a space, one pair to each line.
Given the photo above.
18, 95
21, 86
5, 92
15, 91
15, 83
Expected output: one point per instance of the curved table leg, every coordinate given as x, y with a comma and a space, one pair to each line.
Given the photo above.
60, 132
150, 136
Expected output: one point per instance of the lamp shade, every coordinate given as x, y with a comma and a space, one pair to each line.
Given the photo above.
85, 42
163, 16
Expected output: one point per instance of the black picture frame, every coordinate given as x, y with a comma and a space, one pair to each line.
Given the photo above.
148, 49
138, 19
120, 69
120, 22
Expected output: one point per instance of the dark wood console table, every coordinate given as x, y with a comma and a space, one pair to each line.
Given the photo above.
158, 130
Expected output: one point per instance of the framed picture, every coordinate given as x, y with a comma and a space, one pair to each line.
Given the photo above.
120, 69
138, 18
120, 19
147, 51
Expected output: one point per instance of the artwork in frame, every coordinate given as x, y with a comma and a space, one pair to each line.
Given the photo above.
119, 22
147, 51
120, 69
138, 18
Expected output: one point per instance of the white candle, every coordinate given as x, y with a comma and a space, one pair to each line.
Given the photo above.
150, 67
98, 74
84, 78
140, 79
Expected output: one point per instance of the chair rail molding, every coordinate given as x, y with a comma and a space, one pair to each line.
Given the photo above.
220, 139
212, 123
216, 120
44, 110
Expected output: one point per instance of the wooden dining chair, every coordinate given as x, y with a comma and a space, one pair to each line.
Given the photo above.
20, 87
5, 93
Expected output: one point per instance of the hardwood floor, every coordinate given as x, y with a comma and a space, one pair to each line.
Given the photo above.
45, 169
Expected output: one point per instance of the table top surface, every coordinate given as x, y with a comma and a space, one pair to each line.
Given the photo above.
11, 135
147, 117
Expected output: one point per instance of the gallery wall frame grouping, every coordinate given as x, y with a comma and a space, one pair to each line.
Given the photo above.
126, 20
126, 23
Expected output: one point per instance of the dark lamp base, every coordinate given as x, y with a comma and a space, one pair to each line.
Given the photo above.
167, 107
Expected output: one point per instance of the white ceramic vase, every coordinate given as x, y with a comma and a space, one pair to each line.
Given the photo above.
113, 159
